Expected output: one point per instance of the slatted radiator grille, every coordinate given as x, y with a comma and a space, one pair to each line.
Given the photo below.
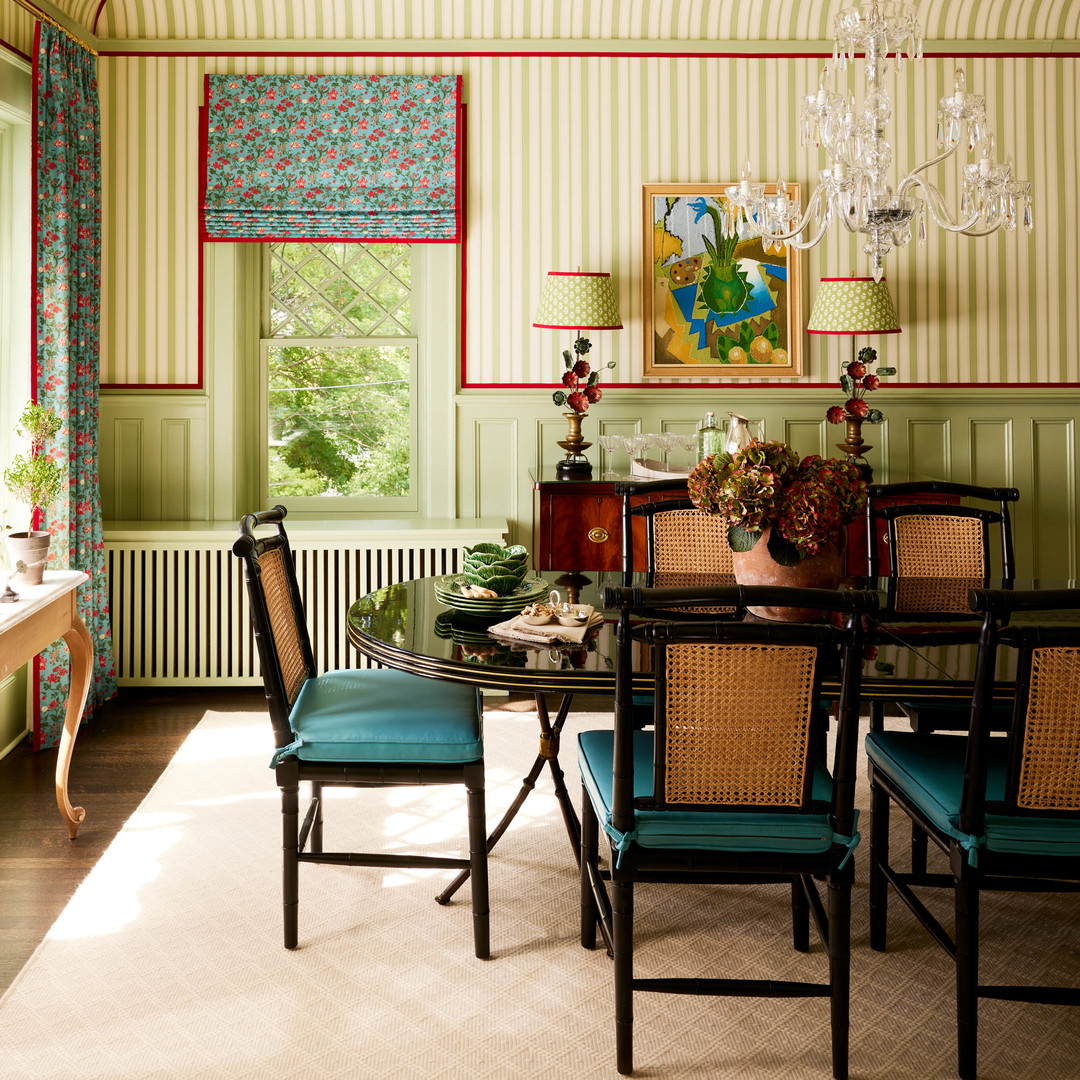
180, 611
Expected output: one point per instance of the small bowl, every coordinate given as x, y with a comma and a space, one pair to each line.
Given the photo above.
578, 617
536, 620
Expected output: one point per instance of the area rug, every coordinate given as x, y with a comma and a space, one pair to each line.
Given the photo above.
168, 961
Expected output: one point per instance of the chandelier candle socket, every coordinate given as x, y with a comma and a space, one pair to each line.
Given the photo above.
577, 300
854, 188
854, 306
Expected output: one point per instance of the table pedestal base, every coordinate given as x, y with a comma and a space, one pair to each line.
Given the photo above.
549, 755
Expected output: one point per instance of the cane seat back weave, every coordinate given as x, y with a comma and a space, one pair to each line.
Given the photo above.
358, 728
1005, 810
736, 724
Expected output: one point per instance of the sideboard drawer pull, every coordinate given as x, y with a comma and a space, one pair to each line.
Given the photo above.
598, 535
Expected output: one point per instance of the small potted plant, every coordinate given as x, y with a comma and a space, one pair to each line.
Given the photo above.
36, 480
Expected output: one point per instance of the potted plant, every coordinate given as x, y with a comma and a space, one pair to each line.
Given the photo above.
36, 480
797, 506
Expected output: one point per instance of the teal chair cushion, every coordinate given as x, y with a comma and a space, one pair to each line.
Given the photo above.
784, 831
385, 716
929, 770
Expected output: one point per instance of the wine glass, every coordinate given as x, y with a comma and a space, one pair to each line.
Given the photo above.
688, 441
636, 444
666, 441
609, 444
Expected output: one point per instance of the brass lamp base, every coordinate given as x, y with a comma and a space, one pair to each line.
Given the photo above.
853, 444
575, 463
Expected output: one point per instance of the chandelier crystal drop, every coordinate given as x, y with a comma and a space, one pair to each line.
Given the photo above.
854, 189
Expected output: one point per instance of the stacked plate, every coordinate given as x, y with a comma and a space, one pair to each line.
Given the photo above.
448, 592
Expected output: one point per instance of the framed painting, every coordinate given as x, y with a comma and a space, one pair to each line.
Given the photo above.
715, 303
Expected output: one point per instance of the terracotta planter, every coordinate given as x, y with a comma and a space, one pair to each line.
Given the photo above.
757, 567
32, 549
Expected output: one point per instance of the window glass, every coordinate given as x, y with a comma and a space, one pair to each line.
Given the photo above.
339, 363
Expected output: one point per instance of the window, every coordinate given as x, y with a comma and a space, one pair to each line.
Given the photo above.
338, 358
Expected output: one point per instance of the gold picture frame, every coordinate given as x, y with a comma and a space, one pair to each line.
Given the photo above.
700, 323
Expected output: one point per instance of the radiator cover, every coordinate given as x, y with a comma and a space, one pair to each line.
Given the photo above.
179, 604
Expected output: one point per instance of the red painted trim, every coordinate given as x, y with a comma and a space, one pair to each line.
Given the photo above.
35, 75
307, 238
668, 54
577, 273
156, 386
463, 254
558, 326
11, 49
849, 279
786, 385
97, 15
853, 333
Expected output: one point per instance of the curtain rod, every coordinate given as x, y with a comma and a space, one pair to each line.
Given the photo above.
37, 13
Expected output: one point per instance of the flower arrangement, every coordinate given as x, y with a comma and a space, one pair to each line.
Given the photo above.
855, 381
580, 379
805, 501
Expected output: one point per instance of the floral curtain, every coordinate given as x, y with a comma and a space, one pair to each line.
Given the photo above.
67, 247
331, 157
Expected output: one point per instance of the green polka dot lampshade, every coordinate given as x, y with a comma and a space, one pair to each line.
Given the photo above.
853, 306
577, 300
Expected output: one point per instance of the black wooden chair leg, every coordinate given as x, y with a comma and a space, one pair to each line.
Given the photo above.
800, 916
290, 865
967, 976
919, 847
590, 843
478, 866
839, 901
622, 903
315, 840
879, 856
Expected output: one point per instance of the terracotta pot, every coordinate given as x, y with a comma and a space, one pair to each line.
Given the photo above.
31, 548
757, 567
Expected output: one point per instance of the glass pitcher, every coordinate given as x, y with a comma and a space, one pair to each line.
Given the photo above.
739, 433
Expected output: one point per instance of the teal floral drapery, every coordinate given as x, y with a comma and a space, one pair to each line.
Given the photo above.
67, 287
331, 157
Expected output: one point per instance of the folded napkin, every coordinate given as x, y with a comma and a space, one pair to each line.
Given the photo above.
552, 633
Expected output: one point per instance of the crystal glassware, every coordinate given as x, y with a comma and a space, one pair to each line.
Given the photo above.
609, 444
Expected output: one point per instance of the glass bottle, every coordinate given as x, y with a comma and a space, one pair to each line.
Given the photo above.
710, 437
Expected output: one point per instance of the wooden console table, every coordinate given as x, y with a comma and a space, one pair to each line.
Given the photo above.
42, 614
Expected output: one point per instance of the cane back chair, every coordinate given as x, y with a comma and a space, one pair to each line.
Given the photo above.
354, 728
1006, 811
935, 553
731, 785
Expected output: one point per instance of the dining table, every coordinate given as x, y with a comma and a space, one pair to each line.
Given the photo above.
914, 653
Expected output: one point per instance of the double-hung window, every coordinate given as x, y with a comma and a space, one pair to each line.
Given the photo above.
339, 370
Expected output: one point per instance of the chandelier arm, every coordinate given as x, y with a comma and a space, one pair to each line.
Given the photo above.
935, 202
911, 178
789, 237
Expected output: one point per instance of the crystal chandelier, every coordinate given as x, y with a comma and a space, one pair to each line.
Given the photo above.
854, 189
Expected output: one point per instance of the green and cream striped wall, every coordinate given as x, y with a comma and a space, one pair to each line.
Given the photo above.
558, 150
694, 20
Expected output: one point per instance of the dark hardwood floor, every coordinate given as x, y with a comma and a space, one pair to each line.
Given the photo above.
117, 759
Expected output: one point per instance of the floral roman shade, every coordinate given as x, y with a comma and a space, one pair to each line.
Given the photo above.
332, 157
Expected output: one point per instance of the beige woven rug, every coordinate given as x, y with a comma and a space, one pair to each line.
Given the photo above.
168, 961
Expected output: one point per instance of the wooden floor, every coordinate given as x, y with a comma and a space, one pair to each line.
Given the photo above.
116, 761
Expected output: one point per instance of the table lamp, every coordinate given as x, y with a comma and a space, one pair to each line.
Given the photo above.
852, 306
577, 300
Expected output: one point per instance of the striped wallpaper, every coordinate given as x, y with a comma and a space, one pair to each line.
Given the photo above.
558, 150
631, 20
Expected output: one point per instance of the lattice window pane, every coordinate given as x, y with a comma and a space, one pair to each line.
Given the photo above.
340, 290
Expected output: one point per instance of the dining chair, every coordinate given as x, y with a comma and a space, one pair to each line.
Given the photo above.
731, 784
1005, 811
934, 553
357, 728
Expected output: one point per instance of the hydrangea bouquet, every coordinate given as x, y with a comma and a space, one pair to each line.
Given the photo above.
806, 501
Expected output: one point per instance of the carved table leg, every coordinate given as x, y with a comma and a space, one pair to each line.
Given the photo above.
81, 649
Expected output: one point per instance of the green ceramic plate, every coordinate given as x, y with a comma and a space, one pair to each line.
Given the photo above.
448, 591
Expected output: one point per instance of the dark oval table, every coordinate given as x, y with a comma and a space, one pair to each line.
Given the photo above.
916, 656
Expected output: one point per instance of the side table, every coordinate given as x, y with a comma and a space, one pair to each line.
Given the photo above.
42, 614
